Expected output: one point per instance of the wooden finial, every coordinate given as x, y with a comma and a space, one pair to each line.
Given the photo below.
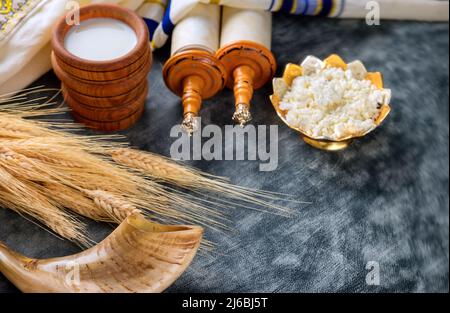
192, 102
194, 75
251, 66
243, 92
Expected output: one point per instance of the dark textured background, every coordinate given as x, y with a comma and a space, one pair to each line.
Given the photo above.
384, 199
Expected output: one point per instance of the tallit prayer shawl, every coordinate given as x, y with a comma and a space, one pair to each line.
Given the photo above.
424, 10
25, 25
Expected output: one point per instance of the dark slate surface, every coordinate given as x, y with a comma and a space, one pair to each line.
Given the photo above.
385, 199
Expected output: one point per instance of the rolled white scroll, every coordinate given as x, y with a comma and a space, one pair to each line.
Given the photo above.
248, 25
200, 29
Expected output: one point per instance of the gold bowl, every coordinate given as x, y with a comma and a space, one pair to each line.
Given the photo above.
292, 71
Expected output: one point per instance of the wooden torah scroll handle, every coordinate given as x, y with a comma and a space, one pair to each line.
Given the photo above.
194, 75
249, 66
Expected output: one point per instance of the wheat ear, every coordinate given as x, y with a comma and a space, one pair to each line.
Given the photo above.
77, 202
117, 208
166, 170
27, 197
40, 160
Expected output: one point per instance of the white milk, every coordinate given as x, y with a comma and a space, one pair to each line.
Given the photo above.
100, 39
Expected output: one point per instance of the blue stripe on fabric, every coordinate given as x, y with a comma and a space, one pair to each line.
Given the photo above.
300, 7
341, 10
152, 25
306, 7
167, 24
271, 5
287, 5
312, 6
327, 6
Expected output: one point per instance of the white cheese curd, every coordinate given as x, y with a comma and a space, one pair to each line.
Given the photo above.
332, 103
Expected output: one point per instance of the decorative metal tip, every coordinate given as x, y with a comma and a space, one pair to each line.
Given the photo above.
190, 123
242, 114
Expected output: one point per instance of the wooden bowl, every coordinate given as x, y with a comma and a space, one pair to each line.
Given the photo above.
104, 11
108, 102
110, 126
105, 114
105, 75
102, 88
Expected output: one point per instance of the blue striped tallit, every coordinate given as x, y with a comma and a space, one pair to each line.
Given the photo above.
153, 12
162, 15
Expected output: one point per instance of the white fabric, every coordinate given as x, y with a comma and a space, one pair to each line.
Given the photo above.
39, 65
22, 49
21, 45
152, 10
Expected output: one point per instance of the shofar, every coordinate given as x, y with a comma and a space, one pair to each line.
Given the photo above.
139, 256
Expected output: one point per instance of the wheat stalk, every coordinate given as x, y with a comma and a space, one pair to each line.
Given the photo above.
78, 203
157, 167
166, 170
8, 155
17, 195
117, 208
19, 165
47, 171
15, 127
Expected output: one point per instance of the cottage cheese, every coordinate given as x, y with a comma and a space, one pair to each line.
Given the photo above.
332, 103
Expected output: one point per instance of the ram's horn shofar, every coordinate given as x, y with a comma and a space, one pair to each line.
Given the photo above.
139, 256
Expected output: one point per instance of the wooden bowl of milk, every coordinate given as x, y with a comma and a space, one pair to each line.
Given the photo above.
103, 63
